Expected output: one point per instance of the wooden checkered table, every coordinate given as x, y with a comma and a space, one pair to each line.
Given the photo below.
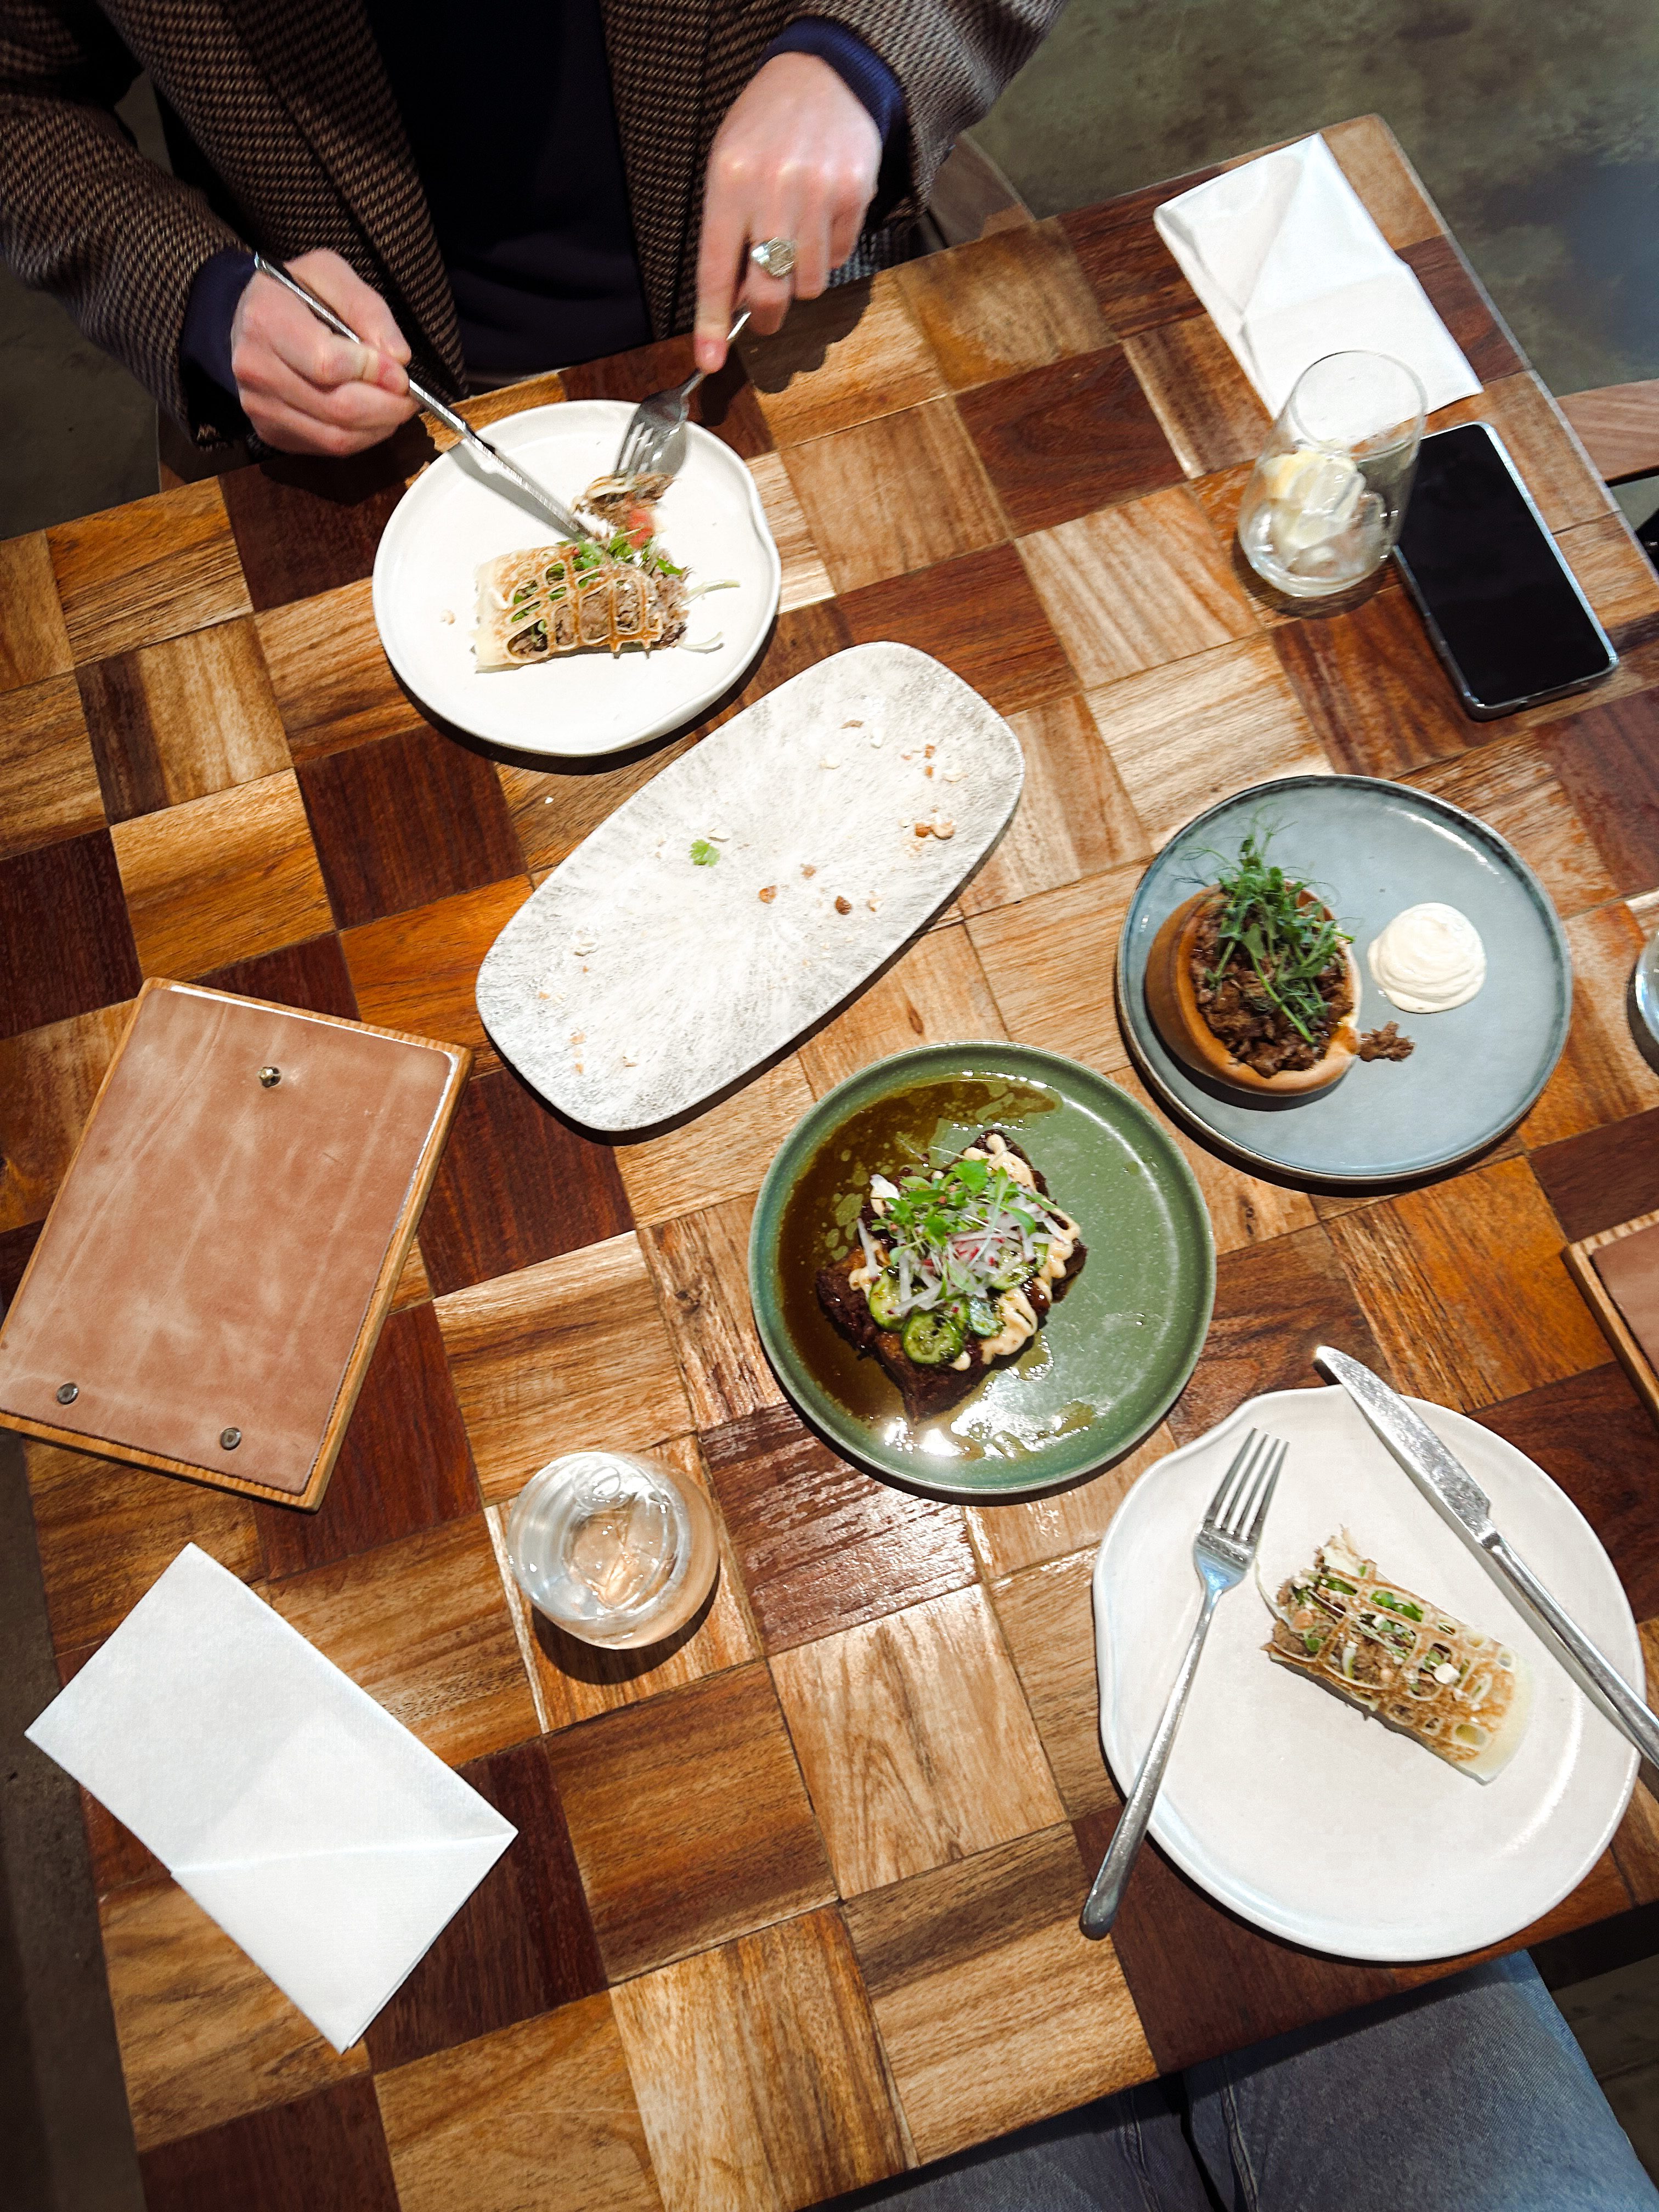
795, 1907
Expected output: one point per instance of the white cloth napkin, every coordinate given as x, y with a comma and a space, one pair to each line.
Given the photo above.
322, 1836
1292, 267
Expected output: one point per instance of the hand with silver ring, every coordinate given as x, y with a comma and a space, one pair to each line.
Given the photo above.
791, 170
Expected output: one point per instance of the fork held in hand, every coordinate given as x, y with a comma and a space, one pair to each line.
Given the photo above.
1223, 1552
658, 421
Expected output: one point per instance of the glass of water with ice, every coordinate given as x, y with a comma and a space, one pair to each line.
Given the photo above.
616, 1548
1324, 504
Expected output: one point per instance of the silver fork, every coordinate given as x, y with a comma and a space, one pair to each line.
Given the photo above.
1222, 1552
658, 419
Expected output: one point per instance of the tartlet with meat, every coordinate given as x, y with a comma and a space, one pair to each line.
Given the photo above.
1251, 982
956, 1271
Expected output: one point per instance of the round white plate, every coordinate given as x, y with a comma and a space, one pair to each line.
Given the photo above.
458, 515
1302, 1813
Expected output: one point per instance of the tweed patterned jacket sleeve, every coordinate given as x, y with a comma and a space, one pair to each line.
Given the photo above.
289, 103
83, 214
290, 106
951, 57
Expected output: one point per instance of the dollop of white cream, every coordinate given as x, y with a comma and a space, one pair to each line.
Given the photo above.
1429, 958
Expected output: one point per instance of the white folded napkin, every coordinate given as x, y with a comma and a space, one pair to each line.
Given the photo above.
322, 1836
1292, 267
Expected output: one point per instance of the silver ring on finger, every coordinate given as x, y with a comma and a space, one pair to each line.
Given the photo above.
776, 256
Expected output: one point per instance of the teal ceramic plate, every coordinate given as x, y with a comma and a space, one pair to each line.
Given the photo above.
1116, 1349
1373, 848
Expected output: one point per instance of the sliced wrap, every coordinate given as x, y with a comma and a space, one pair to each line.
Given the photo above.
535, 605
557, 600
1463, 1695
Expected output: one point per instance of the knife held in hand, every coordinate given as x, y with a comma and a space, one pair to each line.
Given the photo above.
1460, 1500
567, 524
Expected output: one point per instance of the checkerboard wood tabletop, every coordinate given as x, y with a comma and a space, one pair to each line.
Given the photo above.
794, 1906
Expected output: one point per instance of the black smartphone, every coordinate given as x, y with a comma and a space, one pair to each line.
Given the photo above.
1505, 611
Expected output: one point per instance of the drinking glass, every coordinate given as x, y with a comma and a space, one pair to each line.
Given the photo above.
1645, 1000
1325, 503
613, 1546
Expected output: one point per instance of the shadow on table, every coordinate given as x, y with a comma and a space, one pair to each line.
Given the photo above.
608, 1668
65, 2136
804, 343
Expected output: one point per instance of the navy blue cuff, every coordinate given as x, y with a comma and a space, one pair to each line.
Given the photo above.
205, 342
864, 73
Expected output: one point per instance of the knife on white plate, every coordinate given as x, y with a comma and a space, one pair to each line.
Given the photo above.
1452, 1491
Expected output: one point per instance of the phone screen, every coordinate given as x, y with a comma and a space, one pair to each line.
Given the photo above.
1504, 609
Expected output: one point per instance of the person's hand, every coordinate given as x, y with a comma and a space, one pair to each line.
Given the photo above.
797, 156
304, 389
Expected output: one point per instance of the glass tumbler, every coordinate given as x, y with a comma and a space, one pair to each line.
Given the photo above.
1324, 506
613, 1546
1644, 1001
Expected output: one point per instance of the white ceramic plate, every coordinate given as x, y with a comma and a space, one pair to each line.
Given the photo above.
1302, 1814
457, 514
636, 982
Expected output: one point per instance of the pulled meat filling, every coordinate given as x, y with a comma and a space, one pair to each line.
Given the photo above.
1386, 1044
1241, 1012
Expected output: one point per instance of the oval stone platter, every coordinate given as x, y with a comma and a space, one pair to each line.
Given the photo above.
1371, 848
458, 513
700, 929
1117, 1348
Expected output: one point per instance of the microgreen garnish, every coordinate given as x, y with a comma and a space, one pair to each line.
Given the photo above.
704, 855
960, 1238
1287, 940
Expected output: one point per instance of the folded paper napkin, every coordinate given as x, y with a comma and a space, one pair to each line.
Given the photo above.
321, 1835
1292, 267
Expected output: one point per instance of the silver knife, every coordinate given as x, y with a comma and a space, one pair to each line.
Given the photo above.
570, 525
1450, 1486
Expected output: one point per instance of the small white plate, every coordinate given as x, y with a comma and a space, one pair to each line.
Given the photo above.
1302, 1814
458, 515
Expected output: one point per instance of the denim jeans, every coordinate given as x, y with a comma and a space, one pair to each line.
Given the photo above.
1470, 2093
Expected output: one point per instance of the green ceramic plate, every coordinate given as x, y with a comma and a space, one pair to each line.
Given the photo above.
1116, 1349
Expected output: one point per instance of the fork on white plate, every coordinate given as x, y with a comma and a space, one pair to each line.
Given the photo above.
1224, 1551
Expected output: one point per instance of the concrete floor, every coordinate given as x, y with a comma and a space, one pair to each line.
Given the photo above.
1534, 122
1615, 2017
82, 431
1535, 125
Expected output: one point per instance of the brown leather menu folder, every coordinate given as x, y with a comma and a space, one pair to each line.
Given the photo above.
207, 1291
1618, 1272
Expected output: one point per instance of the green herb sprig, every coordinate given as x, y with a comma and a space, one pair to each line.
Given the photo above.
959, 1237
1288, 943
